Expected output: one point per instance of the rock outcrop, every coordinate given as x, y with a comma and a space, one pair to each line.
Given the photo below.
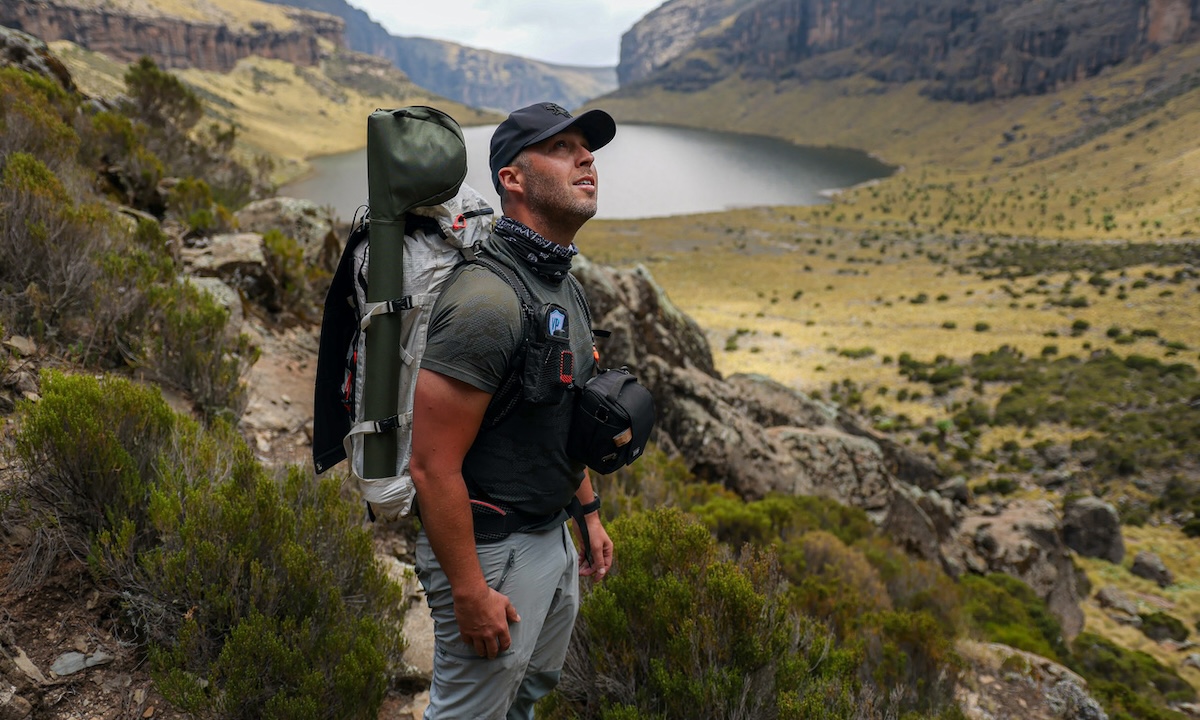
959, 50
1039, 689
747, 432
21, 50
756, 437
172, 42
1022, 540
1150, 566
1118, 605
301, 220
1092, 528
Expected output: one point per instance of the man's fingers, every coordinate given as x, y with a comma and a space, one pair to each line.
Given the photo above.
511, 613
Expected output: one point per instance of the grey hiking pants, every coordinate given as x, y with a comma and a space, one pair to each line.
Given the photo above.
539, 574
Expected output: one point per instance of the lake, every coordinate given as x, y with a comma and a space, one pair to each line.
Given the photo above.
647, 171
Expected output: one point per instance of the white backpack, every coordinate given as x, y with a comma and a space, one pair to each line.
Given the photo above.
437, 240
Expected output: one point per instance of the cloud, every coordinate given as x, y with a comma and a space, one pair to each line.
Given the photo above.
560, 31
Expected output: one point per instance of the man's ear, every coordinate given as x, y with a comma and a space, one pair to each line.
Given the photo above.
510, 179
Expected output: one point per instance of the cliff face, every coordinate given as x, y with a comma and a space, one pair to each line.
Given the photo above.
480, 78
171, 42
961, 49
668, 32
486, 79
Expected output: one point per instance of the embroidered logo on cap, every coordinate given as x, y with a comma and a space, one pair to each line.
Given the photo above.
556, 109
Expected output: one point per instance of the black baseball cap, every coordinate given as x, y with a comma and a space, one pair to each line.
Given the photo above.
535, 123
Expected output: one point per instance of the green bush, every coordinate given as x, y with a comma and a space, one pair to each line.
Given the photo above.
677, 628
1128, 683
857, 353
1000, 608
48, 246
997, 486
1159, 626
191, 201
780, 518
237, 582
193, 349
293, 279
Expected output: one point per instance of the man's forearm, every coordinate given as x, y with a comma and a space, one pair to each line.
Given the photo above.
446, 518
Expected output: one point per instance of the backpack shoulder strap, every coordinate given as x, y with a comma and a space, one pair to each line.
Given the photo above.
508, 395
583, 303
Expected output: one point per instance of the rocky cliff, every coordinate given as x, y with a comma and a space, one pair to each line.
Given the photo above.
480, 78
487, 79
960, 49
668, 32
126, 34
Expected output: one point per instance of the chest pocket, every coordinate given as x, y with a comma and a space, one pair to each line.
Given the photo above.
549, 361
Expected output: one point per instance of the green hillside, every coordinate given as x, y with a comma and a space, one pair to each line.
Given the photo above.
284, 111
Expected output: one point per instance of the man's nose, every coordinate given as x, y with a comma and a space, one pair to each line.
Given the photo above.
586, 158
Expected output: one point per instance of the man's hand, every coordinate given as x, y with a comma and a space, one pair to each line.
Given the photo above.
601, 547
483, 620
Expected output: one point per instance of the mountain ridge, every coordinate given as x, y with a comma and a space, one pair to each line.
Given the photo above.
958, 49
473, 76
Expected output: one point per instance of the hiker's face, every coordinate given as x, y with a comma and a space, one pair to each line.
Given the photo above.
559, 176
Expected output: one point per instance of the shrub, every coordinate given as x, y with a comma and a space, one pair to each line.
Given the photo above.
982, 327
1159, 626
193, 349
291, 275
161, 100
1129, 683
857, 353
780, 518
833, 582
48, 245
678, 627
236, 582
1000, 608
997, 486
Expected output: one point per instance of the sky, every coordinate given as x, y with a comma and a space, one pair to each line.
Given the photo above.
567, 32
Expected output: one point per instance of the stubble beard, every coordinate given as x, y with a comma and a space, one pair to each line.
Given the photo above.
558, 204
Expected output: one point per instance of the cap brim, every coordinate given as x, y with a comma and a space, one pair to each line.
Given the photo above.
597, 126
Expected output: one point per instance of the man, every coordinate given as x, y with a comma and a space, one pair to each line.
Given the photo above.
495, 555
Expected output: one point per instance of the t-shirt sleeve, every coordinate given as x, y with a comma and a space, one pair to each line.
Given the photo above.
474, 330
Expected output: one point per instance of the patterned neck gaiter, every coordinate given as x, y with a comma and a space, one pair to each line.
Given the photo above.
548, 259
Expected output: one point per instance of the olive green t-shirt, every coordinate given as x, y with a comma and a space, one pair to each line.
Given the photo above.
474, 332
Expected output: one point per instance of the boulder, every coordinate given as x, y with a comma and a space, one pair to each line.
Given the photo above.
302, 220
1150, 566
1022, 539
1110, 597
28, 53
773, 404
239, 262
643, 320
956, 490
1092, 528
909, 525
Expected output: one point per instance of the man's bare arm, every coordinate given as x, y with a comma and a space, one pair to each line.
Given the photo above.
447, 414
